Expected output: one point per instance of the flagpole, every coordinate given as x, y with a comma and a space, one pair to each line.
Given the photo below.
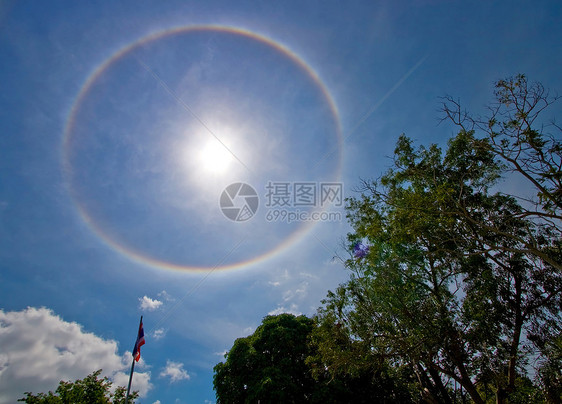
130, 380
131, 375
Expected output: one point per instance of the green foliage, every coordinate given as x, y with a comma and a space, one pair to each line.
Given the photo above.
549, 375
461, 285
523, 142
359, 374
279, 363
90, 390
268, 365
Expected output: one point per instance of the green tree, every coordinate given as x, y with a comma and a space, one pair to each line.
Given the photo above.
279, 364
461, 284
550, 370
269, 365
354, 372
90, 390
516, 134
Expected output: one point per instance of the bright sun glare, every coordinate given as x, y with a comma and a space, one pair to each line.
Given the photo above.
214, 157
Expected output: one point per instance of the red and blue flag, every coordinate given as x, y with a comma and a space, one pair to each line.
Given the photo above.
138, 343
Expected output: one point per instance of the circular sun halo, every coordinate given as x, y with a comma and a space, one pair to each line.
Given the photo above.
214, 157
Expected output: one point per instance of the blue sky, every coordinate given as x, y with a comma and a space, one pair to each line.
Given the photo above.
122, 125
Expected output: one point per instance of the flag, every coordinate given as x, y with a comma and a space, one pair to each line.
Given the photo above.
139, 342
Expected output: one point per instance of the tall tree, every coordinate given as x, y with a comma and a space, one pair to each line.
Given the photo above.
269, 365
459, 281
520, 138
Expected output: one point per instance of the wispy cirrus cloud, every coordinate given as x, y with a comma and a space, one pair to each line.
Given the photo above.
166, 296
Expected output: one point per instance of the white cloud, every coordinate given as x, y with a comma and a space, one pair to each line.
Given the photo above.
221, 354
156, 402
166, 296
39, 349
293, 309
146, 303
298, 293
158, 334
175, 371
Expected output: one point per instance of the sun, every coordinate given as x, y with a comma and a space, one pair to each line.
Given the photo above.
214, 157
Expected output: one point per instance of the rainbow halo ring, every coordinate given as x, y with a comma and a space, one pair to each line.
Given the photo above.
164, 125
